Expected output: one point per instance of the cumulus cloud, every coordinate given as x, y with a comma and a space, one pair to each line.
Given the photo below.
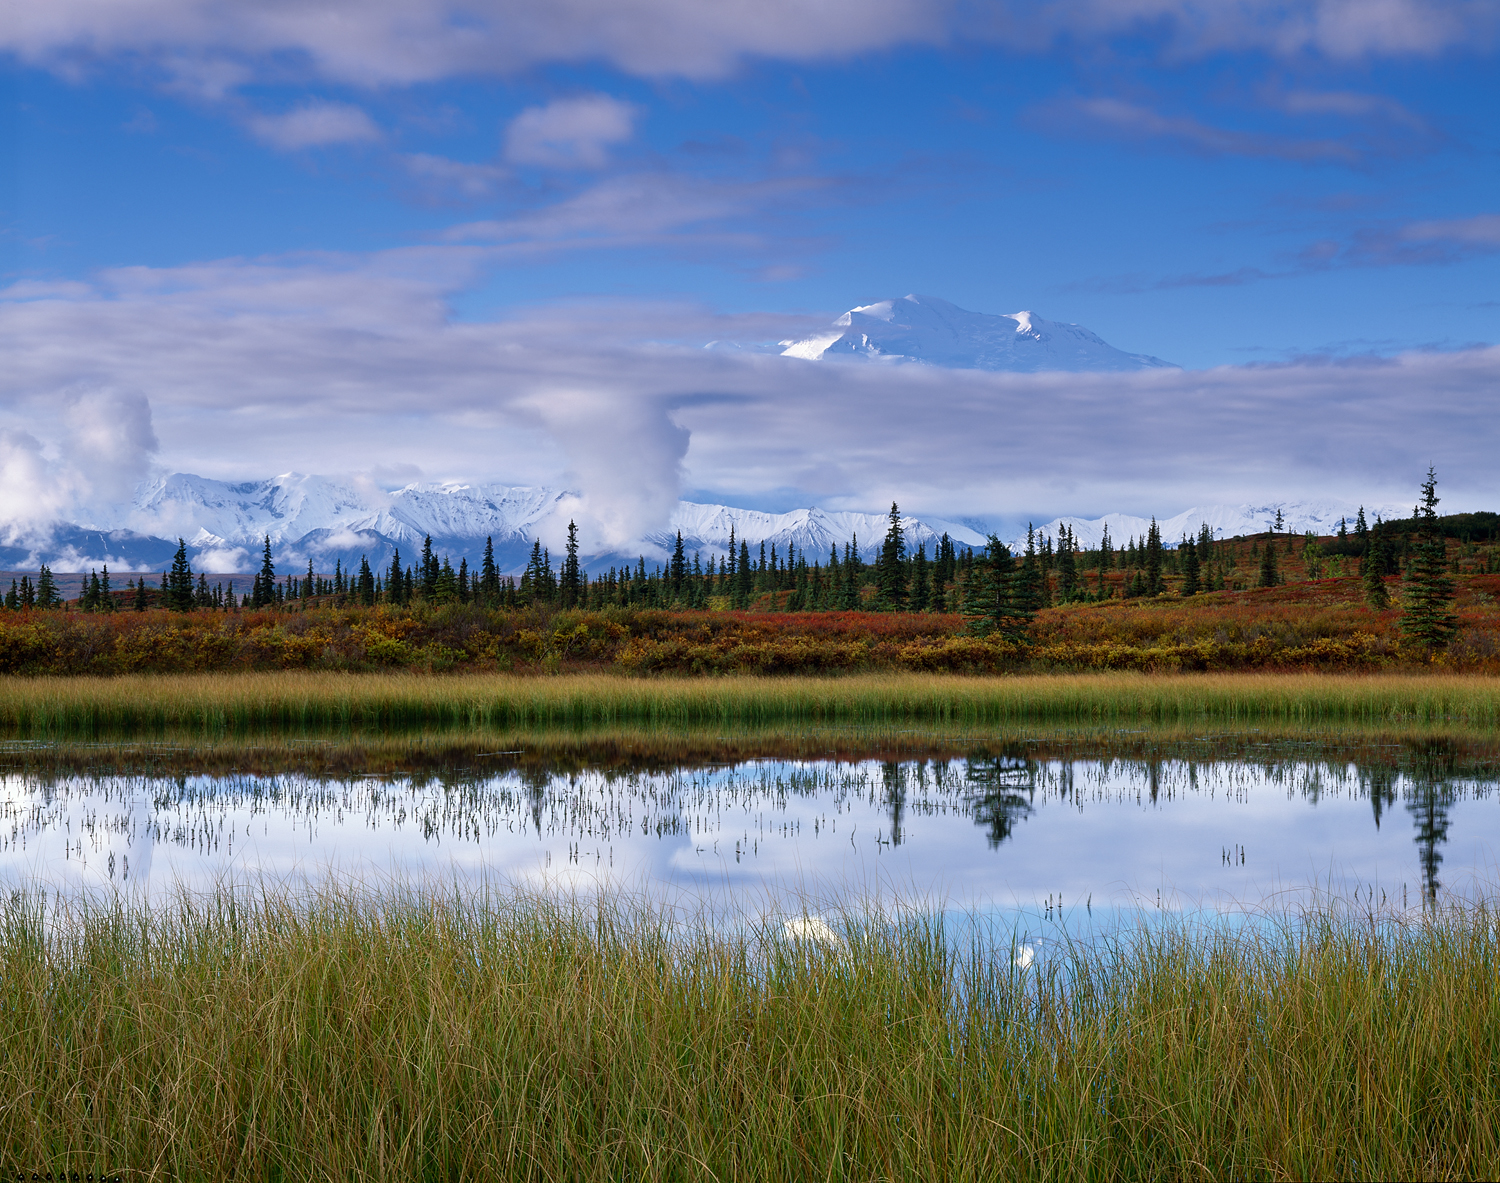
211, 44
328, 364
570, 133
315, 125
95, 446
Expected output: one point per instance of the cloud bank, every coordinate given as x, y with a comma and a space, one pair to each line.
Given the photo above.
211, 45
248, 367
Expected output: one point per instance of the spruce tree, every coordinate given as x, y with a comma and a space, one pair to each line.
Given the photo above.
489, 576
1030, 585
263, 589
743, 578
179, 581
429, 573
141, 602
1191, 573
13, 597
202, 597
921, 581
46, 589
572, 575
678, 570
890, 570
1067, 566
1153, 560
1374, 573
365, 588
1269, 576
1427, 605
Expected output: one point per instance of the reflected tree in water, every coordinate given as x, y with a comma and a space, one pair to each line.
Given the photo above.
1001, 790
1380, 783
1432, 796
894, 777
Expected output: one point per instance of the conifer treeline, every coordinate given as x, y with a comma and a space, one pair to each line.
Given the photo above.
994, 589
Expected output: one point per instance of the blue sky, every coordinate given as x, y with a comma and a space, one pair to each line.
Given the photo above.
380, 237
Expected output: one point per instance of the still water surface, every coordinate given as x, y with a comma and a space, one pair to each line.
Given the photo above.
986, 832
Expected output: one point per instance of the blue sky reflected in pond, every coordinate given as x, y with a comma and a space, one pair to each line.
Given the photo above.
980, 833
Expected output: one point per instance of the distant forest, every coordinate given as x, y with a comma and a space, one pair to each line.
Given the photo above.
991, 582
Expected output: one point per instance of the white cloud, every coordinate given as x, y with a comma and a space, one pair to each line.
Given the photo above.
208, 44
329, 364
315, 125
570, 133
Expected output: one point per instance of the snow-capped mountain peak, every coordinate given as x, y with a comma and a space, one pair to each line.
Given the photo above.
930, 331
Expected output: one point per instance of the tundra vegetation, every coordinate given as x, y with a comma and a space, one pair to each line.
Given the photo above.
1382, 595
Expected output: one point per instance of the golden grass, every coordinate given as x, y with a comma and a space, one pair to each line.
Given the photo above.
226, 703
428, 1038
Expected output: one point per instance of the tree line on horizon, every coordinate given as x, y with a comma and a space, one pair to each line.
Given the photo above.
991, 587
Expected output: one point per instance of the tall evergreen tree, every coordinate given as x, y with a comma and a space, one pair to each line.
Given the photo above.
489, 576
1106, 553
572, 575
743, 578
1191, 572
677, 572
179, 581
429, 572
141, 602
263, 589
890, 570
46, 589
1030, 582
364, 588
395, 578
1374, 572
1067, 565
1269, 576
921, 581
1152, 565
1427, 605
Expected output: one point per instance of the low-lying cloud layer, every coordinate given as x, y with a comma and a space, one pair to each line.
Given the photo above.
325, 364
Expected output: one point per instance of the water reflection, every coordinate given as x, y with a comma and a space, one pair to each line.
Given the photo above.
998, 828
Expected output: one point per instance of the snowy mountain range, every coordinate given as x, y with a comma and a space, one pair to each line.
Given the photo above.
1226, 521
926, 330
325, 520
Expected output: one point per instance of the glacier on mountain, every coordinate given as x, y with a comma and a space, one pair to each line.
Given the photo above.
927, 330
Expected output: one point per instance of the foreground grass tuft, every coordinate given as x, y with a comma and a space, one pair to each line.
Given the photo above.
429, 1038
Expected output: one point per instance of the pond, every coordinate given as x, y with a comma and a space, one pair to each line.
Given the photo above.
1008, 827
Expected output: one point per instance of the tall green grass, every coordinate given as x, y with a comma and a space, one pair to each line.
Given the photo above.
427, 1038
40, 707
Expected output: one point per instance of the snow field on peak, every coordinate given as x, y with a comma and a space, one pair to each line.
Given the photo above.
927, 330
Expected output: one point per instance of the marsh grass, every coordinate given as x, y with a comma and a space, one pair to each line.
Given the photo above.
211, 704
426, 1037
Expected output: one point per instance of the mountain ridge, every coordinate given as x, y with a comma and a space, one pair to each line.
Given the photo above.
926, 330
